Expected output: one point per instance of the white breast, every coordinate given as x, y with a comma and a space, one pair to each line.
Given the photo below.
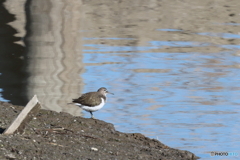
92, 109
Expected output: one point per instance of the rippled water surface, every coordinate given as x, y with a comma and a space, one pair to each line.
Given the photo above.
177, 85
187, 100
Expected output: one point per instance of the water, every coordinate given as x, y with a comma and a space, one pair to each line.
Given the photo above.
179, 85
188, 99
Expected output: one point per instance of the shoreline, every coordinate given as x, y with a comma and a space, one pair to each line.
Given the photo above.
52, 135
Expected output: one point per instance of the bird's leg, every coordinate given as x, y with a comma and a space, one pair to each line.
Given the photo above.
92, 115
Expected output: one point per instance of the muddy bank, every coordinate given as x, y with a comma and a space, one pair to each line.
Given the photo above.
52, 135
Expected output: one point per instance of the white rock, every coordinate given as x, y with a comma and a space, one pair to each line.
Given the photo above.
94, 149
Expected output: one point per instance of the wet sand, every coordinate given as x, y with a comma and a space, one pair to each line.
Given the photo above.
52, 135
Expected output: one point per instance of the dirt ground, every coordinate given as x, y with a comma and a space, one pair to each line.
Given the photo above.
52, 135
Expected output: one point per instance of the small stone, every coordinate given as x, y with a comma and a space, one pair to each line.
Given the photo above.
10, 156
94, 149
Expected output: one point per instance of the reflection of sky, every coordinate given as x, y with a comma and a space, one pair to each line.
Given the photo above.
193, 105
1, 98
223, 35
169, 30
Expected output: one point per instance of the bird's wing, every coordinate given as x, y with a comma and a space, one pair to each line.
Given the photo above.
89, 99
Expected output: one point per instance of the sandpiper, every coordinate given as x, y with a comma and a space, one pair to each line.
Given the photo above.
92, 101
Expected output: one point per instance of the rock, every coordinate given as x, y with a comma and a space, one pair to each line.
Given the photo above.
94, 149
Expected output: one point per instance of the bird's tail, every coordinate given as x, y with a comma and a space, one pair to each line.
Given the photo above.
74, 100
71, 102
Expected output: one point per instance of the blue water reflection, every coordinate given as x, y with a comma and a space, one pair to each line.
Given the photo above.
186, 100
223, 35
169, 30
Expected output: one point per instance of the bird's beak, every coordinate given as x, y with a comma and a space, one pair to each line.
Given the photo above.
110, 93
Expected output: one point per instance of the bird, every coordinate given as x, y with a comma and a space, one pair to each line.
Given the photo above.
92, 101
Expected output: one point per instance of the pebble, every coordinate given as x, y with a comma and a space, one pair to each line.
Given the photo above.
10, 156
94, 149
